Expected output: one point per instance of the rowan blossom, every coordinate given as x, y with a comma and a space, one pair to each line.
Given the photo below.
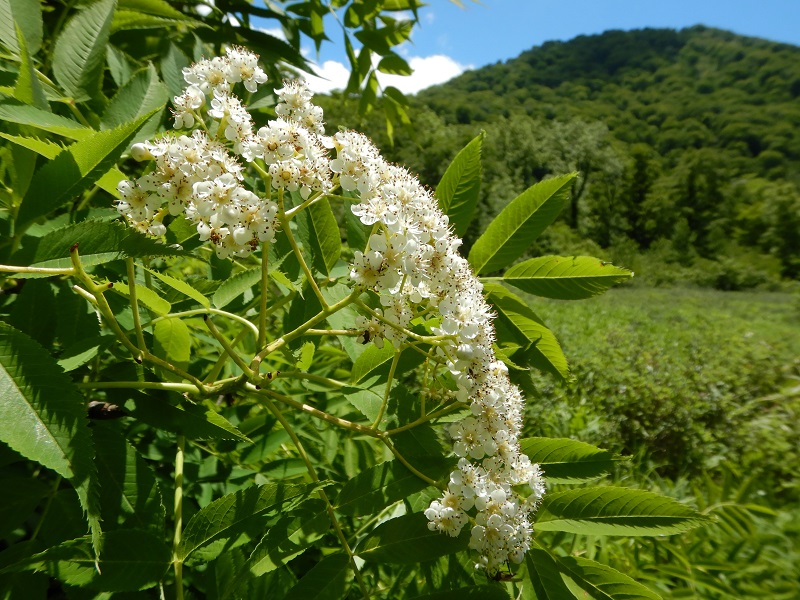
410, 260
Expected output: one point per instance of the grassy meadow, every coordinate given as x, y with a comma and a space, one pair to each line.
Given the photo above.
701, 389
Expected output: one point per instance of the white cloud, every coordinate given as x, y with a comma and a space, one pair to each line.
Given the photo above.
331, 75
428, 71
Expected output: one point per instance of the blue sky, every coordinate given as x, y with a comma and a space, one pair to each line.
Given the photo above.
450, 39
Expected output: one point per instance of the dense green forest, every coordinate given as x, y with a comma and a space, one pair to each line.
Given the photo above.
687, 143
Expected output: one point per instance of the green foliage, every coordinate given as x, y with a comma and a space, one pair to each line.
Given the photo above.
300, 461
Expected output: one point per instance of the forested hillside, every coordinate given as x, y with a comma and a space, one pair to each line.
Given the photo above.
688, 145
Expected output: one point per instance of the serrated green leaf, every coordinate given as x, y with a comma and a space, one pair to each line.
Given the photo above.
235, 286
288, 537
125, 20
146, 296
183, 287
306, 356
327, 580
568, 461
565, 277
34, 312
325, 239
222, 516
17, 112
371, 359
80, 50
615, 511
459, 189
517, 320
27, 16
407, 540
195, 421
28, 89
172, 64
172, 342
475, 592
132, 560
98, 242
519, 224
372, 490
366, 400
142, 95
544, 575
601, 582
160, 8
44, 148
75, 169
129, 494
44, 416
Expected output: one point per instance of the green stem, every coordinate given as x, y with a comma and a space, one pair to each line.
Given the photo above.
228, 349
312, 377
297, 252
183, 388
262, 313
424, 419
314, 412
311, 199
208, 311
223, 358
288, 337
40, 270
176, 543
315, 478
385, 439
392, 369
137, 322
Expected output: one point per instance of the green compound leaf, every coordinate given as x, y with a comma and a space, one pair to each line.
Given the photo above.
172, 342
544, 575
518, 321
565, 277
145, 296
129, 494
519, 224
28, 89
27, 16
370, 359
132, 560
80, 50
142, 95
289, 536
568, 461
75, 169
98, 242
15, 111
195, 421
372, 490
183, 287
235, 286
458, 191
475, 592
44, 416
602, 582
326, 581
325, 239
615, 511
407, 540
223, 516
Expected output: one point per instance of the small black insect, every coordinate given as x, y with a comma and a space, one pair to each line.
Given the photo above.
103, 411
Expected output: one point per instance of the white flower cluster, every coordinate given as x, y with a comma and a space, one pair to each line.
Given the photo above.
411, 261
202, 178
